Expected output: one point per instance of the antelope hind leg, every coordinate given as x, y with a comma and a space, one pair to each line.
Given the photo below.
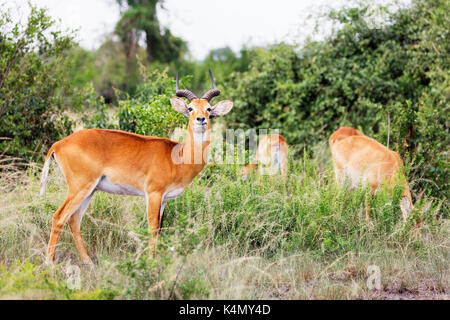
74, 224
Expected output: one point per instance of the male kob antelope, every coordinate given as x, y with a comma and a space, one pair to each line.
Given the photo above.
360, 159
119, 162
271, 156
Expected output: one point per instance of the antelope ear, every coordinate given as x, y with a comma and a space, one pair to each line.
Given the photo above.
221, 108
179, 105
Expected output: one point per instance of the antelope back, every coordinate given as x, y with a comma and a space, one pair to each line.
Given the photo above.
342, 133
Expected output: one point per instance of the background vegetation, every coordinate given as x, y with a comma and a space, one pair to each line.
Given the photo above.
383, 72
32, 84
362, 73
228, 239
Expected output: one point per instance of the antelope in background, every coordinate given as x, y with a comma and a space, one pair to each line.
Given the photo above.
361, 159
271, 155
120, 162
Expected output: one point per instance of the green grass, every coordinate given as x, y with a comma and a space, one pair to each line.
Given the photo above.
303, 238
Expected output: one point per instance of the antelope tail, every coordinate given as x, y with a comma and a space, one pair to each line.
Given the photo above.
407, 206
45, 169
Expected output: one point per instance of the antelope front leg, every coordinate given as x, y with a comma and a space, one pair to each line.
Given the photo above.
154, 220
367, 202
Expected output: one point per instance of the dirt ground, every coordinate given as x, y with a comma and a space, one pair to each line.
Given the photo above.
412, 295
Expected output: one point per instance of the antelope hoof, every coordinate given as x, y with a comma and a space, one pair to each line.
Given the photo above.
152, 253
49, 263
87, 262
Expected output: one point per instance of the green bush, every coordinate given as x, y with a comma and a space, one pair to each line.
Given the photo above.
104, 67
100, 119
32, 83
149, 111
30, 280
356, 77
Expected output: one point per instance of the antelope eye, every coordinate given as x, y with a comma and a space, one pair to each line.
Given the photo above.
208, 109
190, 109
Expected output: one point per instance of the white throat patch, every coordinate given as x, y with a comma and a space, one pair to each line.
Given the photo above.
200, 134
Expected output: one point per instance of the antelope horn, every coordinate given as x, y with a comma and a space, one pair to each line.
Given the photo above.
184, 93
213, 92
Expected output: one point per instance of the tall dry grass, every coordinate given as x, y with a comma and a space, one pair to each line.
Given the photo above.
268, 238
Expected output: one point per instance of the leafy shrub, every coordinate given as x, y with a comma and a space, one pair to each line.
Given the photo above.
222, 61
32, 83
356, 77
100, 119
104, 67
28, 280
149, 111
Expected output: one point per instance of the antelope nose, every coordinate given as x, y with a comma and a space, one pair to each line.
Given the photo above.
201, 119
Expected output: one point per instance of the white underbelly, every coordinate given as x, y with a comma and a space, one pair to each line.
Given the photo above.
355, 177
277, 157
173, 193
116, 188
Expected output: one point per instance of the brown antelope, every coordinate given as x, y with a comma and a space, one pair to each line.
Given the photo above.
119, 162
361, 159
271, 155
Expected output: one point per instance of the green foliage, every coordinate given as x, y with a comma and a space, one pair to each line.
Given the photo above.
144, 274
100, 119
28, 280
223, 62
104, 67
149, 111
148, 278
32, 83
140, 18
82, 69
358, 76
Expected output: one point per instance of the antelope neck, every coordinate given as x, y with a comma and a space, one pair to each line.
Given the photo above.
196, 146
